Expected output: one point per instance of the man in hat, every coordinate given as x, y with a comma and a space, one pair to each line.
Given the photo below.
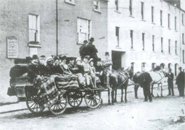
83, 50
180, 81
170, 83
107, 63
92, 51
99, 70
33, 68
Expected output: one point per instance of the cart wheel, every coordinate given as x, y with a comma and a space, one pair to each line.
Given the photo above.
32, 105
60, 106
93, 100
75, 99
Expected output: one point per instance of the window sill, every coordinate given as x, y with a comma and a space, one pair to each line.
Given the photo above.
34, 44
98, 11
71, 3
117, 11
131, 16
143, 20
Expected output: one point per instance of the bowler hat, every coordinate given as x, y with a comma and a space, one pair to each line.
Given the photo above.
180, 68
91, 39
35, 57
107, 53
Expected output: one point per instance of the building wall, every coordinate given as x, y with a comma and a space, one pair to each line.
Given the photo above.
127, 22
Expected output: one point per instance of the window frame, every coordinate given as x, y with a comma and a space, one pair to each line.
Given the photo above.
183, 38
175, 23
153, 43
169, 46
89, 32
117, 34
176, 48
142, 10
131, 38
130, 8
152, 13
143, 41
168, 21
37, 30
162, 45
117, 5
161, 17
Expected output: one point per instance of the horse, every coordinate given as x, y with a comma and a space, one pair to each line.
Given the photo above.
144, 80
119, 79
158, 77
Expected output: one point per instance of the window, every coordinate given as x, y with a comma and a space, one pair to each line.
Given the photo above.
183, 56
130, 7
143, 40
83, 30
117, 4
175, 23
131, 37
142, 10
132, 67
96, 4
169, 49
182, 19
143, 66
152, 14
161, 44
34, 28
182, 38
176, 47
176, 69
169, 21
161, 17
153, 44
117, 36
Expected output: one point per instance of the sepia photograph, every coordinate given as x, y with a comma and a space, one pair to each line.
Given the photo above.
92, 64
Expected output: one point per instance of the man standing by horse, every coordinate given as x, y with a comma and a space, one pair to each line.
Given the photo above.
107, 63
180, 81
170, 83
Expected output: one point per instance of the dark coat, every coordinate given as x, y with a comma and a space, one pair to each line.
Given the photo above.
180, 79
33, 71
170, 77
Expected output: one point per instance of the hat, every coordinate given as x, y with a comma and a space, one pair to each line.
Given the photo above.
35, 57
64, 57
85, 41
107, 53
78, 59
180, 68
49, 59
91, 59
43, 56
91, 39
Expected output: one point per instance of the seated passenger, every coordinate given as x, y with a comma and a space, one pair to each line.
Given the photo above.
72, 67
64, 66
93, 71
33, 68
99, 70
87, 71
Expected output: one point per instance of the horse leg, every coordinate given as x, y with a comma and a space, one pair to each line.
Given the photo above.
161, 89
145, 94
126, 94
135, 90
115, 94
121, 94
148, 92
108, 96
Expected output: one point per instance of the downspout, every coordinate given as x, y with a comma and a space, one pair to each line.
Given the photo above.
56, 27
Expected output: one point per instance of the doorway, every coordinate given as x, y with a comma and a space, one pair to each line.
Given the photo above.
116, 60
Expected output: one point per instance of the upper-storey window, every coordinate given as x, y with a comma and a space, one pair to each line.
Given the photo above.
183, 38
117, 4
142, 10
175, 23
117, 35
161, 17
176, 47
182, 19
153, 43
169, 46
96, 4
143, 41
169, 21
152, 14
162, 44
130, 6
34, 28
131, 38
83, 30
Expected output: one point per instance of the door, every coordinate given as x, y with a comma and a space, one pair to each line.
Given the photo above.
116, 59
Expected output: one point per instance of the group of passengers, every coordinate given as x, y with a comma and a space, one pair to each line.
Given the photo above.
87, 67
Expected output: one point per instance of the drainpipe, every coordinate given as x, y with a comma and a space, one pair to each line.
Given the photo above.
56, 27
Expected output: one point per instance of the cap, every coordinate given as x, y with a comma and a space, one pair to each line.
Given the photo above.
43, 56
106, 53
35, 57
49, 59
91, 39
180, 68
91, 59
